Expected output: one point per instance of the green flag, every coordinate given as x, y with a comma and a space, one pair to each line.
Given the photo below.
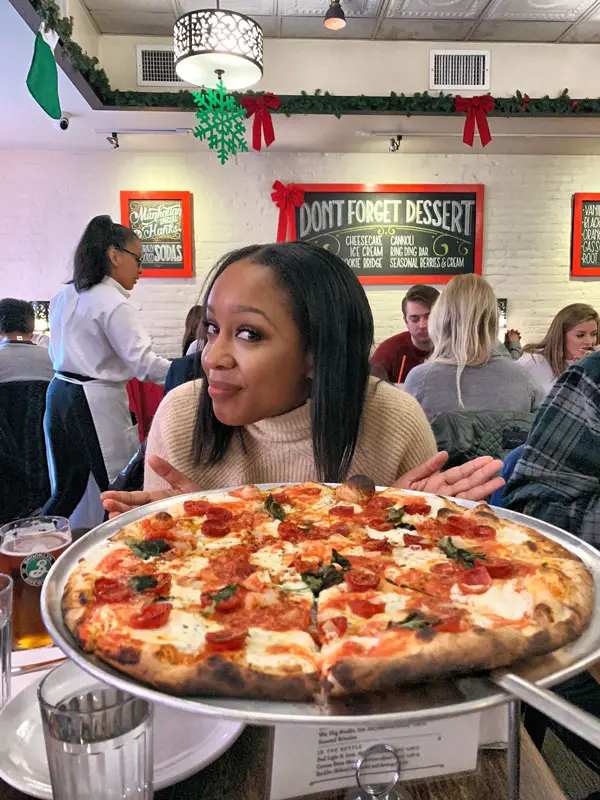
42, 78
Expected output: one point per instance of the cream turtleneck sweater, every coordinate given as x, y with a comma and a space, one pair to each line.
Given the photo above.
394, 437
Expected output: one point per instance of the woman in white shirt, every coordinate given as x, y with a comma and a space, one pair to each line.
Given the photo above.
96, 344
573, 333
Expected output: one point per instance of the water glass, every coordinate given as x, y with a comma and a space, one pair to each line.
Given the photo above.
98, 739
6, 590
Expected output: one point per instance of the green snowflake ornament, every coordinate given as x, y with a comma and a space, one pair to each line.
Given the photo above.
220, 122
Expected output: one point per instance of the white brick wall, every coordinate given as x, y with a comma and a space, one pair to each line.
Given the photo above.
46, 199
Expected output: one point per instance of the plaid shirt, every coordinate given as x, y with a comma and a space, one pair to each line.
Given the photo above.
558, 478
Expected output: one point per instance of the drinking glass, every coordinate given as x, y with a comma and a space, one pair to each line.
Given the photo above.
6, 589
98, 739
28, 548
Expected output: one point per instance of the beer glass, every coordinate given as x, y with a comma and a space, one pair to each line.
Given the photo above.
28, 548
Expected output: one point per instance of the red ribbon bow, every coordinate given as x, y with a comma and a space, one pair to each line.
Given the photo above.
476, 109
526, 99
287, 199
261, 108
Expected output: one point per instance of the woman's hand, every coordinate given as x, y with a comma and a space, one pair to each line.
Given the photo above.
473, 481
119, 502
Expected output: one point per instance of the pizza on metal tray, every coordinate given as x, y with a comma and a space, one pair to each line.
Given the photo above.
284, 593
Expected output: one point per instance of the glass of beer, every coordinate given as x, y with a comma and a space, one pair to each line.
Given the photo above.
28, 548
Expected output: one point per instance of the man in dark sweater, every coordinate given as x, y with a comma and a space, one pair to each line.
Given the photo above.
396, 356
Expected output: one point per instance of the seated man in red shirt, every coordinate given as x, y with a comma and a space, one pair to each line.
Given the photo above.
396, 356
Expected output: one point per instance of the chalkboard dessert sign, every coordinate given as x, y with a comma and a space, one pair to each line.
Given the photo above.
162, 220
396, 233
585, 236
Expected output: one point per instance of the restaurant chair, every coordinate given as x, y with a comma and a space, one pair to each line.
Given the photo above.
468, 434
25, 484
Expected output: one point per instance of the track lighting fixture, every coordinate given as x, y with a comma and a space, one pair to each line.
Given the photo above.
335, 19
113, 140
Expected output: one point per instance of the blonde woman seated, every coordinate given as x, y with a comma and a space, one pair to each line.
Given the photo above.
468, 368
573, 333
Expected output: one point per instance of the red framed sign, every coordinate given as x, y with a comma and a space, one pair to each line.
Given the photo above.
396, 233
163, 221
585, 235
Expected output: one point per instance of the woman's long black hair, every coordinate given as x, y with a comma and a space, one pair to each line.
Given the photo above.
335, 323
92, 263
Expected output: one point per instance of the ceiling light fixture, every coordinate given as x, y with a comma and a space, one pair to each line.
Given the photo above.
335, 19
210, 41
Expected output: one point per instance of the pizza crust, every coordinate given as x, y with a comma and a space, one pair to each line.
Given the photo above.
214, 675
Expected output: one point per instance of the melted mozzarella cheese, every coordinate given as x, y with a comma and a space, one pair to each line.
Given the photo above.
191, 566
396, 536
272, 560
269, 528
502, 600
415, 558
259, 641
184, 630
185, 595
511, 536
393, 602
220, 544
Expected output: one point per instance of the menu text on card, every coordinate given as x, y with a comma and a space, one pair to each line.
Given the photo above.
311, 760
399, 233
162, 223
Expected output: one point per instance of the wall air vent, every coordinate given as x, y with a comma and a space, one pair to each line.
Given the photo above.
156, 66
459, 70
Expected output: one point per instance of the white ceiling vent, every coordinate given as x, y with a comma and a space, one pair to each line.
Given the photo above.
156, 66
459, 70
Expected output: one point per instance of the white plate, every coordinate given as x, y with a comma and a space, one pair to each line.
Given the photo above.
184, 743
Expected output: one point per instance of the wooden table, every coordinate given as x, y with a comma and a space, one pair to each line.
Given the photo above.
241, 774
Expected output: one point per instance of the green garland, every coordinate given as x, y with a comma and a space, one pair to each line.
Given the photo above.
420, 103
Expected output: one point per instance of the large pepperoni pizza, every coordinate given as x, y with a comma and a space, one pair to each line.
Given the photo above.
282, 593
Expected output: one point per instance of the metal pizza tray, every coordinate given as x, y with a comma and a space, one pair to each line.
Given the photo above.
411, 703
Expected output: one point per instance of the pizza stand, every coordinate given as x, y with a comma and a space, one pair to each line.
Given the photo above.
427, 702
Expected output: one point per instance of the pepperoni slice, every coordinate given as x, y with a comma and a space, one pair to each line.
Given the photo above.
452, 624
300, 565
218, 513
365, 608
336, 626
338, 527
378, 504
379, 524
242, 522
226, 639
475, 581
415, 541
281, 498
109, 590
152, 616
195, 508
342, 511
361, 580
378, 545
417, 508
215, 528
290, 532
482, 532
500, 568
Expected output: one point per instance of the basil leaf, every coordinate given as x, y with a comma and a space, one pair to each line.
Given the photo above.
336, 558
274, 509
225, 592
150, 549
414, 622
139, 583
314, 581
396, 516
465, 557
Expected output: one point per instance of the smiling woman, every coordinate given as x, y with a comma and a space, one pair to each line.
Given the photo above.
287, 330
